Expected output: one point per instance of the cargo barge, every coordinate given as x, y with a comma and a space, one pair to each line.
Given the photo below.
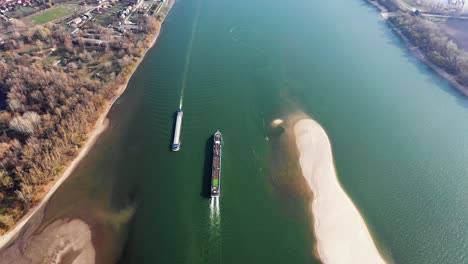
216, 167
178, 127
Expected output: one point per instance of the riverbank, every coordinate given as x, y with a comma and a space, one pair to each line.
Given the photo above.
420, 55
380, 7
384, 12
341, 233
98, 128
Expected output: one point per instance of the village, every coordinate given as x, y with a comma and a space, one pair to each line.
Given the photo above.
75, 16
96, 26
80, 55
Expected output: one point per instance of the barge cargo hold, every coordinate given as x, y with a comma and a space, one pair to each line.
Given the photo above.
178, 126
216, 167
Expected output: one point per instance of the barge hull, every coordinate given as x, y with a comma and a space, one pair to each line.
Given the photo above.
216, 166
178, 127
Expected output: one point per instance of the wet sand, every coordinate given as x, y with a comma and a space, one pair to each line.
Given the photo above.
20, 244
63, 241
341, 233
101, 127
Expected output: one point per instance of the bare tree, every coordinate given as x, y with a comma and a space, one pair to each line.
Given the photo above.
25, 124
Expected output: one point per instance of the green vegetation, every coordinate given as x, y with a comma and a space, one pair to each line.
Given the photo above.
435, 45
24, 11
49, 60
49, 15
430, 39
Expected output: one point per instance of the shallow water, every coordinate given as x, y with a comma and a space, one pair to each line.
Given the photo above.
397, 130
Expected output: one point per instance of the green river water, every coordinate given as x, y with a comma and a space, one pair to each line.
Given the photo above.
399, 136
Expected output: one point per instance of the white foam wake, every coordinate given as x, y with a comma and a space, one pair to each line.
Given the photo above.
215, 238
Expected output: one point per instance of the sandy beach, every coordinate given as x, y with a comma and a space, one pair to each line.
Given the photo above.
75, 229
341, 233
100, 127
63, 241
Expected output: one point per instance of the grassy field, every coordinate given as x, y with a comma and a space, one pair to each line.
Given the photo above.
23, 11
49, 15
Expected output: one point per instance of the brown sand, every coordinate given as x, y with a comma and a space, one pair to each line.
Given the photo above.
61, 242
341, 233
70, 240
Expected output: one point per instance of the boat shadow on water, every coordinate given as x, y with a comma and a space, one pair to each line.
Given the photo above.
206, 176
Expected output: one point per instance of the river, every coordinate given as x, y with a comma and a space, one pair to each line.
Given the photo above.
398, 133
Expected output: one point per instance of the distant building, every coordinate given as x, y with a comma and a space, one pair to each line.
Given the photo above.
97, 10
75, 21
91, 41
135, 2
6, 2
75, 31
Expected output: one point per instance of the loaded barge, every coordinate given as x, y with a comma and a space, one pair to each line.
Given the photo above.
178, 126
216, 167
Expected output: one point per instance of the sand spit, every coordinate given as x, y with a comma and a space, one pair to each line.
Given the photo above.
61, 242
341, 233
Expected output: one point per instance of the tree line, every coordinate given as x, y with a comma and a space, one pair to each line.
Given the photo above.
435, 45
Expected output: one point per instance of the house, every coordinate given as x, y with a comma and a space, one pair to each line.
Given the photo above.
134, 2
75, 31
76, 21
97, 10
5, 2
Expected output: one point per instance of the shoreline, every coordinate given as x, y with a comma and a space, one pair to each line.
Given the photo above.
381, 8
340, 230
415, 51
420, 56
99, 127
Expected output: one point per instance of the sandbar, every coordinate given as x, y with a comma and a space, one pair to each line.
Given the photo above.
340, 231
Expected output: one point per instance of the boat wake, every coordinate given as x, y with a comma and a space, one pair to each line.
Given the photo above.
215, 231
237, 34
232, 34
214, 214
188, 56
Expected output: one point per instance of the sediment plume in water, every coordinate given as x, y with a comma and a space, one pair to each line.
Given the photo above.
340, 231
291, 191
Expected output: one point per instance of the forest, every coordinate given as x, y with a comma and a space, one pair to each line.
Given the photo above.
55, 87
435, 45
